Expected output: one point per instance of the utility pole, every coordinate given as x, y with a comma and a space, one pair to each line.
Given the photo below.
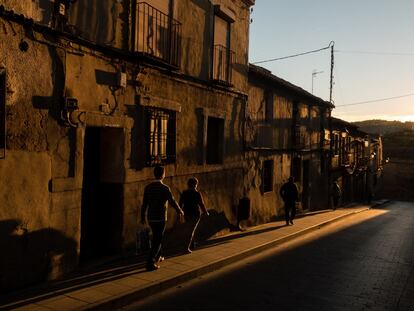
332, 67
330, 177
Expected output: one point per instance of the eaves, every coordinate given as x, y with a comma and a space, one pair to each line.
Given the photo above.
266, 76
130, 57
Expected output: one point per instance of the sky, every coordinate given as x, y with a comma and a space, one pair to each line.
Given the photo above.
373, 58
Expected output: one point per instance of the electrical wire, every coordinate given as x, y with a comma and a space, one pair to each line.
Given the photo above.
295, 55
376, 100
374, 53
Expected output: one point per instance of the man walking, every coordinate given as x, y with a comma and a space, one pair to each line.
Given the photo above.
191, 201
156, 196
336, 194
290, 195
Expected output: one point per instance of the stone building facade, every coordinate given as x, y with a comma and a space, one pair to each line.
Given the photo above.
94, 94
286, 138
356, 162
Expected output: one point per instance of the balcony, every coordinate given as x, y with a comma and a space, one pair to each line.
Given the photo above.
223, 59
157, 35
300, 138
264, 137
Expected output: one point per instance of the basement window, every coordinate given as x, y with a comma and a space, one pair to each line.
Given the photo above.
161, 129
268, 176
215, 140
2, 113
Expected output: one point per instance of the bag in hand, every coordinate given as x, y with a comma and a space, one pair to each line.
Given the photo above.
142, 240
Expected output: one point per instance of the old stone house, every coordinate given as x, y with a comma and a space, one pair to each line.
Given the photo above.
356, 162
285, 126
93, 94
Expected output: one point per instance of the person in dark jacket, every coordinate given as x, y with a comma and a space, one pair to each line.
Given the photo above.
156, 196
290, 195
191, 201
336, 194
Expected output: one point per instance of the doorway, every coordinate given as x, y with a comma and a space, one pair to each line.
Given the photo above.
305, 186
2, 113
102, 193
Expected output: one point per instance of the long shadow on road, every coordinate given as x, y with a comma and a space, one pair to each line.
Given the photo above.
366, 265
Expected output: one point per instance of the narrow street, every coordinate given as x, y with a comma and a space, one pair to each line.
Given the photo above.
365, 262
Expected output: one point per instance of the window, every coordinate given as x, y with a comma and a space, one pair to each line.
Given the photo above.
161, 136
215, 140
222, 55
348, 143
297, 169
268, 176
269, 106
2, 113
336, 144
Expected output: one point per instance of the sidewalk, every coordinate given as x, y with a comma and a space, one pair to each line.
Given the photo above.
114, 287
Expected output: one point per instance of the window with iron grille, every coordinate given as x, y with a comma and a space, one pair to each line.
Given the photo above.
2, 113
161, 127
268, 176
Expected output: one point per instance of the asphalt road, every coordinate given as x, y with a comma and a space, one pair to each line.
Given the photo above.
365, 262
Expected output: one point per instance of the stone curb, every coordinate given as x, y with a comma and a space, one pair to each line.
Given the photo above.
136, 294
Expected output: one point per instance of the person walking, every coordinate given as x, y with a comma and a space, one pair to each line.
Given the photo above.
290, 195
191, 201
156, 196
336, 194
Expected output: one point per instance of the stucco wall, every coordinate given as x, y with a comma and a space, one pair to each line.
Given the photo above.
266, 206
42, 175
29, 8
197, 18
30, 239
221, 184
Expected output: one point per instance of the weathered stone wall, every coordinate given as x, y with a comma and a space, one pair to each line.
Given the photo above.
265, 206
41, 179
40, 230
309, 120
101, 21
197, 18
29, 8
221, 184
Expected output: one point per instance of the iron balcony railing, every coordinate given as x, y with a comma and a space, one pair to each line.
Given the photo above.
299, 138
264, 136
223, 59
157, 34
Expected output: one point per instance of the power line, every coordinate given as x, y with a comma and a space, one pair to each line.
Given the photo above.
374, 53
295, 55
377, 100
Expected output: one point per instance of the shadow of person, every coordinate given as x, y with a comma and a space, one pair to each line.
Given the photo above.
30, 257
214, 224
